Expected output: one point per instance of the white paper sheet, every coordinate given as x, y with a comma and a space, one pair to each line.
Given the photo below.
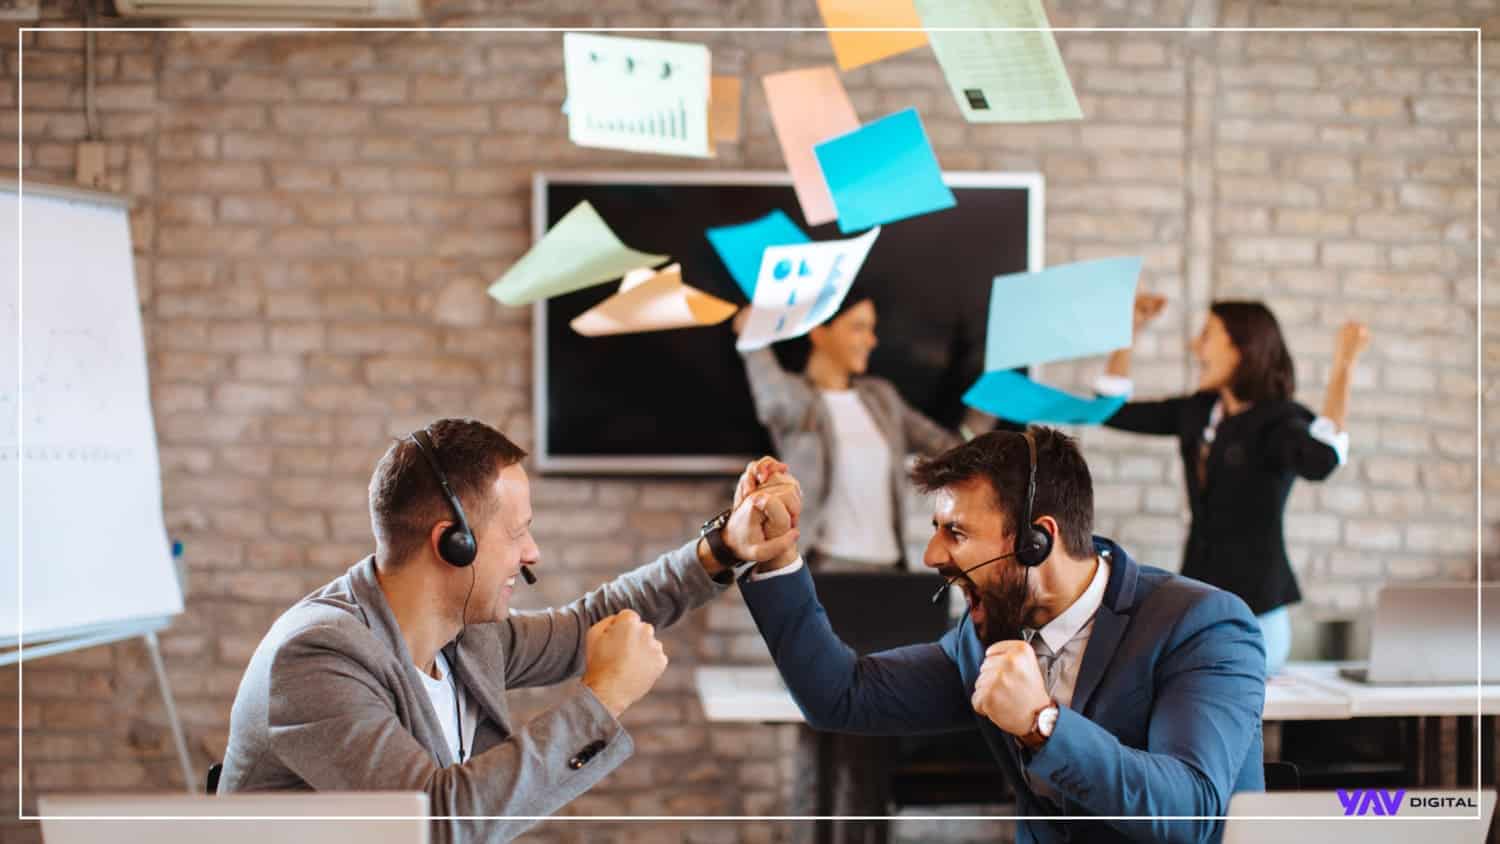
637, 94
799, 287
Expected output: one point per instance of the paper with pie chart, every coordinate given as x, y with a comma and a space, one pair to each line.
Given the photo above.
637, 94
652, 300
800, 287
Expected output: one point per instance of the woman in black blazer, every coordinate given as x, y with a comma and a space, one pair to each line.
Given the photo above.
1243, 441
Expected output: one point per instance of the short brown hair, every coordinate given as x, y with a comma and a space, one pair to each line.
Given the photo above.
405, 500
1064, 488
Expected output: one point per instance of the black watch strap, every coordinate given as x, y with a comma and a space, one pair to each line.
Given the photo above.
713, 534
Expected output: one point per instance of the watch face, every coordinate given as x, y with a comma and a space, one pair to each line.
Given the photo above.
1046, 720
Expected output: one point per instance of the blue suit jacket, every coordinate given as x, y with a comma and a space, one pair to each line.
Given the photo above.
1165, 718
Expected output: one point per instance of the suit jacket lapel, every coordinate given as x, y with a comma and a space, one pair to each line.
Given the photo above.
487, 691
1109, 624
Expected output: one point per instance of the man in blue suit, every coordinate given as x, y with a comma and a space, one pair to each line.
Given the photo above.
1105, 689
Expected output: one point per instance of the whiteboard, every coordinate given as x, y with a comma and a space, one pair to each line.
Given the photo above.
79, 477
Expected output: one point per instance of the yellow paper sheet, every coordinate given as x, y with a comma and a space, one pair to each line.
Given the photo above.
1000, 76
724, 110
856, 49
649, 300
580, 251
809, 106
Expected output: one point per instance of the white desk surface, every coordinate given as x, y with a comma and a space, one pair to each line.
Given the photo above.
1367, 701
755, 693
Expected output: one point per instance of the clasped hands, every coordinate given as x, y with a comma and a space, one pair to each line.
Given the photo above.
763, 524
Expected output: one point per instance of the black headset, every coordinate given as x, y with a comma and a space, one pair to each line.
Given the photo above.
456, 546
1033, 542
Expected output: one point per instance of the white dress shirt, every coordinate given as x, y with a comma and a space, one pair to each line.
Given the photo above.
1067, 636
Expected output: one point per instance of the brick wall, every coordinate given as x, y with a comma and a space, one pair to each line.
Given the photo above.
317, 216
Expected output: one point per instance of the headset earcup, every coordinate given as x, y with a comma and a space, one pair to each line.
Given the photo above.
457, 546
1038, 547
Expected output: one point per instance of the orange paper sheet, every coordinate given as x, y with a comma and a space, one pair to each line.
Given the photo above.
724, 110
649, 300
809, 106
856, 49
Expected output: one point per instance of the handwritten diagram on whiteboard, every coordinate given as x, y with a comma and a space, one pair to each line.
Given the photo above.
77, 427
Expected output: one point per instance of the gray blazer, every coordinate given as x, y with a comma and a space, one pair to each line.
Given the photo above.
800, 425
332, 701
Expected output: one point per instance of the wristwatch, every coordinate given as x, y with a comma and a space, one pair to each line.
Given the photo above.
1041, 727
713, 533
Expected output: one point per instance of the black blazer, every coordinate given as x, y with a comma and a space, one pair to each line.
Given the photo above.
1237, 541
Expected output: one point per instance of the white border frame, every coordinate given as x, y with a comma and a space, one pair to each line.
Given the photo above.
1034, 183
1479, 392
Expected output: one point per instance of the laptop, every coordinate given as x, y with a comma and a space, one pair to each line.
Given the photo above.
883, 609
302, 818
1425, 634
1332, 817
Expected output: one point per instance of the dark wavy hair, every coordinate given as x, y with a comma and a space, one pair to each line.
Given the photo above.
1064, 487
1265, 371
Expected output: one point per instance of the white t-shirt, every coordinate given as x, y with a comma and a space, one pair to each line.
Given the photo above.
859, 522
448, 712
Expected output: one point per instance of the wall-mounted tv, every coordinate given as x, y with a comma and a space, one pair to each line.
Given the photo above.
677, 402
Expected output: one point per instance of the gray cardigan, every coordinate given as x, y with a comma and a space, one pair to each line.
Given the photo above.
332, 701
802, 430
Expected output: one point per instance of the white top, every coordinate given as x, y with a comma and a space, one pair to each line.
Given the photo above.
859, 520
440, 692
1068, 635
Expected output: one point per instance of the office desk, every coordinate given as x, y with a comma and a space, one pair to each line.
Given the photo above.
1423, 707
1367, 701
756, 693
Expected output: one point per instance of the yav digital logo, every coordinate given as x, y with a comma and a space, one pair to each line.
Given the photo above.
1379, 801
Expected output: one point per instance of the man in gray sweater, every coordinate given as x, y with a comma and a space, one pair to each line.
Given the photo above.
393, 676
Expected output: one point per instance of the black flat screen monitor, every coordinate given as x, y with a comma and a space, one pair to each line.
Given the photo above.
677, 402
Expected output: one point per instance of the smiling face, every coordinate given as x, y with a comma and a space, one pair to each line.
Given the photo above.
1217, 356
505, 544
968, 529
847, 339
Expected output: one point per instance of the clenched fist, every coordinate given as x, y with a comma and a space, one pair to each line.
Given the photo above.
1010, 690
624, 660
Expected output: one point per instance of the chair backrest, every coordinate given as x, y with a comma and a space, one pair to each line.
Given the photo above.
1282, 776
214, 770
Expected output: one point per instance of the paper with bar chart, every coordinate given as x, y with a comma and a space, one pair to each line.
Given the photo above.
637, 94
801, 286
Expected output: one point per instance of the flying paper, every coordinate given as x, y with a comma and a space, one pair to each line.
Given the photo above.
1069, 311
856, 49
1013, 396
724, 110
652, 300
999, 76
740, 246
807, 107
800, 287
578, 252
637, 94
882, 172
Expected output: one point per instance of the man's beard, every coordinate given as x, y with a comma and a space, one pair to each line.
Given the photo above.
1003, 605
